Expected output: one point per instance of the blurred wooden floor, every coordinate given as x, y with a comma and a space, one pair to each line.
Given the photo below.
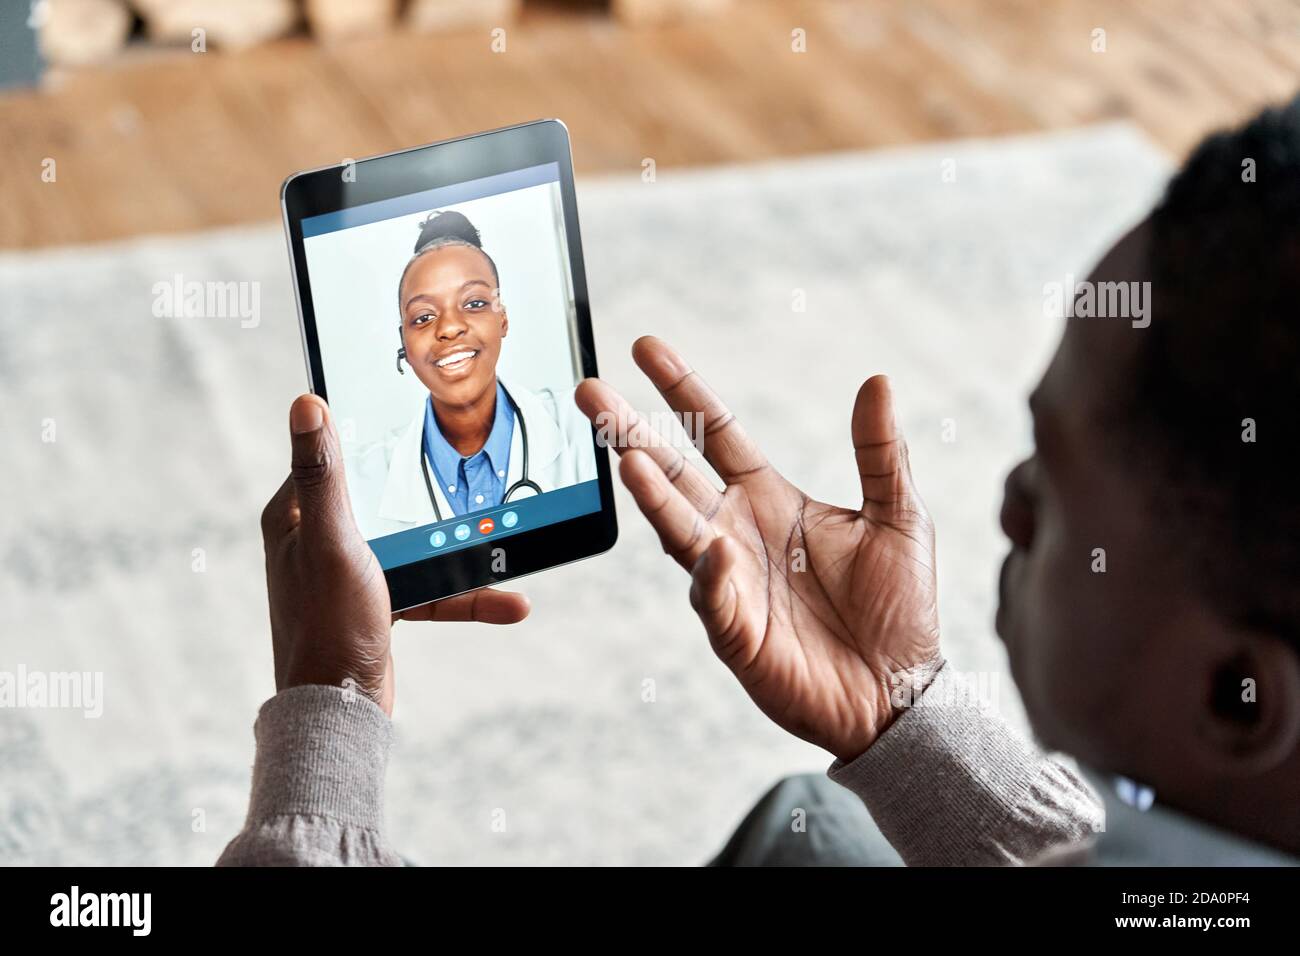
187, 141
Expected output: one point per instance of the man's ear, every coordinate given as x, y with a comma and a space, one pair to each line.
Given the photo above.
1252, 708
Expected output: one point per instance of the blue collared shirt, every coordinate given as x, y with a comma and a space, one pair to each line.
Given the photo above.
477, 482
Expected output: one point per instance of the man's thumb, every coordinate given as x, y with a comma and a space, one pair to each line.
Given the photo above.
317, 464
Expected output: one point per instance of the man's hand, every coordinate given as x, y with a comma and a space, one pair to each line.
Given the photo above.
331, 621
819, 611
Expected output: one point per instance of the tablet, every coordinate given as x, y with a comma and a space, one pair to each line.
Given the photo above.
444, 317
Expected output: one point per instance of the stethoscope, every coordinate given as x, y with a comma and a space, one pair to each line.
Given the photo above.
524, 483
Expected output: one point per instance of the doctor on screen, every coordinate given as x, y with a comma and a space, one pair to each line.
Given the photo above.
475, 441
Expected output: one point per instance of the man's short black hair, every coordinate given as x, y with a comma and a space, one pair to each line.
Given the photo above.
1223, 352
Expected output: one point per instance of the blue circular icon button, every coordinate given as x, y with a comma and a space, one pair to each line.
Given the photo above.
462, 532
509, 519
438, 539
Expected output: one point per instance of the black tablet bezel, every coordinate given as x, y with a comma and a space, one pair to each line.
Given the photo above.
318, 191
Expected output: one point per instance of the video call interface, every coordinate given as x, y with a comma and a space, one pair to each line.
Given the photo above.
448, 337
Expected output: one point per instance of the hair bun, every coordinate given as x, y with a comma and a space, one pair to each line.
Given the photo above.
447, 226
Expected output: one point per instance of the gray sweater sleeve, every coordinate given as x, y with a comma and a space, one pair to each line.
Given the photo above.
318, 783
950, 784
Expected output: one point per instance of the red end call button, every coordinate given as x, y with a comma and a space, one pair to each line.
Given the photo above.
485, 526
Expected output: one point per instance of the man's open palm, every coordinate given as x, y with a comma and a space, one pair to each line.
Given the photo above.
819, 611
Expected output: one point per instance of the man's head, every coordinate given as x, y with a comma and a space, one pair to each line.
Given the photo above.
1151, 602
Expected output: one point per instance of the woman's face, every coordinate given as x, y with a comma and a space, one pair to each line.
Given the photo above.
453, 323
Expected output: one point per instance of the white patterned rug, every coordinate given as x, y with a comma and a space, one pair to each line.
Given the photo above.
170, 434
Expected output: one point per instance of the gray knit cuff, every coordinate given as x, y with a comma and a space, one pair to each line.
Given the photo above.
949, 783
321, 751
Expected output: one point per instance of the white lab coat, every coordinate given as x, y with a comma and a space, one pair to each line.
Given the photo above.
386, 480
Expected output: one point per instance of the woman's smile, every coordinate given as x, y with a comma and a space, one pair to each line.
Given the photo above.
456, 361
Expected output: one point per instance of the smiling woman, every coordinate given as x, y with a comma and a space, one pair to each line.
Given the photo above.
467, 447
452, 326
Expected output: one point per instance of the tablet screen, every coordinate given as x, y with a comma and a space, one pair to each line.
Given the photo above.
448, 335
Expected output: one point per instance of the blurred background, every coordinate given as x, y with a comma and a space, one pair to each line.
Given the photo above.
291, 84
798, 194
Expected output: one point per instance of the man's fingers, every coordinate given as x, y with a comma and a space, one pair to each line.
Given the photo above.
280, 516
726, 447
683, 532
716, 600
487, 606
878, 445
317, 470
622, 429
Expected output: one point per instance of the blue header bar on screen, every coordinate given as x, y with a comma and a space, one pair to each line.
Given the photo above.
431, 199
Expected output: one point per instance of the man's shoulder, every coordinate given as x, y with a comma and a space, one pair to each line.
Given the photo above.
1147, 833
